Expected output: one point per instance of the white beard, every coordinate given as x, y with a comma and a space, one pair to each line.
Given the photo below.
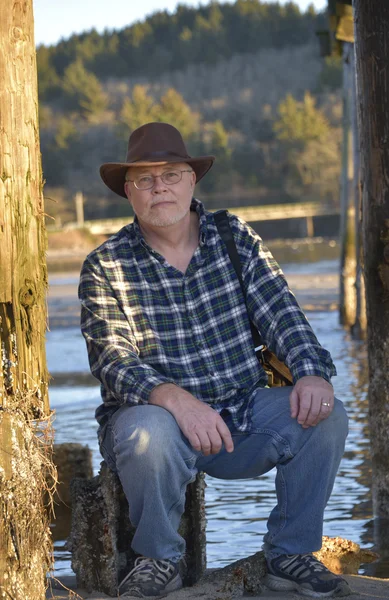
164, 220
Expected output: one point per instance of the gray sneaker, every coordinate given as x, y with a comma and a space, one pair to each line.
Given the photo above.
150, 579
305, 574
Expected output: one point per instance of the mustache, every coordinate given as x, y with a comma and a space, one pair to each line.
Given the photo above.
161, 200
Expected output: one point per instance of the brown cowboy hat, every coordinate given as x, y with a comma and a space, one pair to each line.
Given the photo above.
153, 144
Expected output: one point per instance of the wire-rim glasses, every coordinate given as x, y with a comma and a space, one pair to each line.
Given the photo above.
146, 182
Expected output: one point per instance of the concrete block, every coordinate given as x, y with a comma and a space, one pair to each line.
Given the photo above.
101, 533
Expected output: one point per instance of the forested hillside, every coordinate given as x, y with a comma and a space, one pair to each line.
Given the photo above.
243, 81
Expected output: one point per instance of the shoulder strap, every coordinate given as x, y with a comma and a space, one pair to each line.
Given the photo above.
224, 228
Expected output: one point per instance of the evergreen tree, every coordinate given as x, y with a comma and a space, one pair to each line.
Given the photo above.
308, 149
173, 109
210, 54
141, 108
190, 35
83, 91
215, 140
48, 80
136, 111
300, 122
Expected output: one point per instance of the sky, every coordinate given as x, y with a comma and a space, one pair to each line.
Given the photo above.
56, 19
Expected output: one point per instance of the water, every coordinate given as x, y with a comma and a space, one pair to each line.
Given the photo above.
236, 510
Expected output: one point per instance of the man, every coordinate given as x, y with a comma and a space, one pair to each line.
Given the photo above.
168, 337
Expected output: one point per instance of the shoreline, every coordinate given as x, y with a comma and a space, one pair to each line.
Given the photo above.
317, 292
363, 588
285, 251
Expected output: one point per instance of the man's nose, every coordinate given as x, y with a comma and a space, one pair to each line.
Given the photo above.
158, 184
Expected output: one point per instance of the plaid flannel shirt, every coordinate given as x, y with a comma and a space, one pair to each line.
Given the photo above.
146, 323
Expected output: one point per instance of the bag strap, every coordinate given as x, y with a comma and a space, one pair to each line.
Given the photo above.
224, 228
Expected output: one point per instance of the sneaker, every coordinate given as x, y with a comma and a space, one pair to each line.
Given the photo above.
151, 579
305, 574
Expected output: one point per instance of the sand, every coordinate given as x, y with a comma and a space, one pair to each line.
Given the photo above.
363, 588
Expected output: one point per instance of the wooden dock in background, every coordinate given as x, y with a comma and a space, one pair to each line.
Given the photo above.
250, 214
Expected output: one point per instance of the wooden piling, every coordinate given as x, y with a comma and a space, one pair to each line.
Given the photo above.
371, 19
358, 329
347, 300
24, 455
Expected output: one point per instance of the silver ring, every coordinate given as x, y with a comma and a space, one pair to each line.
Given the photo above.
325, 404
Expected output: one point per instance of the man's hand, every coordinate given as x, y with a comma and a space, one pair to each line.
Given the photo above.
311, 400
201, 424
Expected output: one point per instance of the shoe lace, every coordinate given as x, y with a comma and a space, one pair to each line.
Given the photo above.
313, 563
144, 568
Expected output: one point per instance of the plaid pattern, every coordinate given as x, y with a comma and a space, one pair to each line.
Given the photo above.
146, 323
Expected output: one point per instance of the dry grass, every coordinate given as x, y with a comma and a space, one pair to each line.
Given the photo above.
26, 502
72, 595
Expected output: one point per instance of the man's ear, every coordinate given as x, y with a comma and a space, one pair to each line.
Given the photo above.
127, 190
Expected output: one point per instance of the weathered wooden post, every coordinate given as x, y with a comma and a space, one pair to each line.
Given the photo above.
352, 309
346, 233
358, 329
341, 39
79, 202
25, 545
372, 60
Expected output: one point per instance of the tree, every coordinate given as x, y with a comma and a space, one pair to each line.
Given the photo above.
136, 111
49, 82
66, 133
300, 122
315, 168
371, 19
158, 70
62, 152
141, 108
308, 147
83, 91
173, 109
189, 35
214, 139
25, 546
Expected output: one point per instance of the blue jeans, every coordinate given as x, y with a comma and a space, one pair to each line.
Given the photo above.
155, 463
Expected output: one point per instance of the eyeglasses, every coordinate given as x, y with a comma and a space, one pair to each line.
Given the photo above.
146, 182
